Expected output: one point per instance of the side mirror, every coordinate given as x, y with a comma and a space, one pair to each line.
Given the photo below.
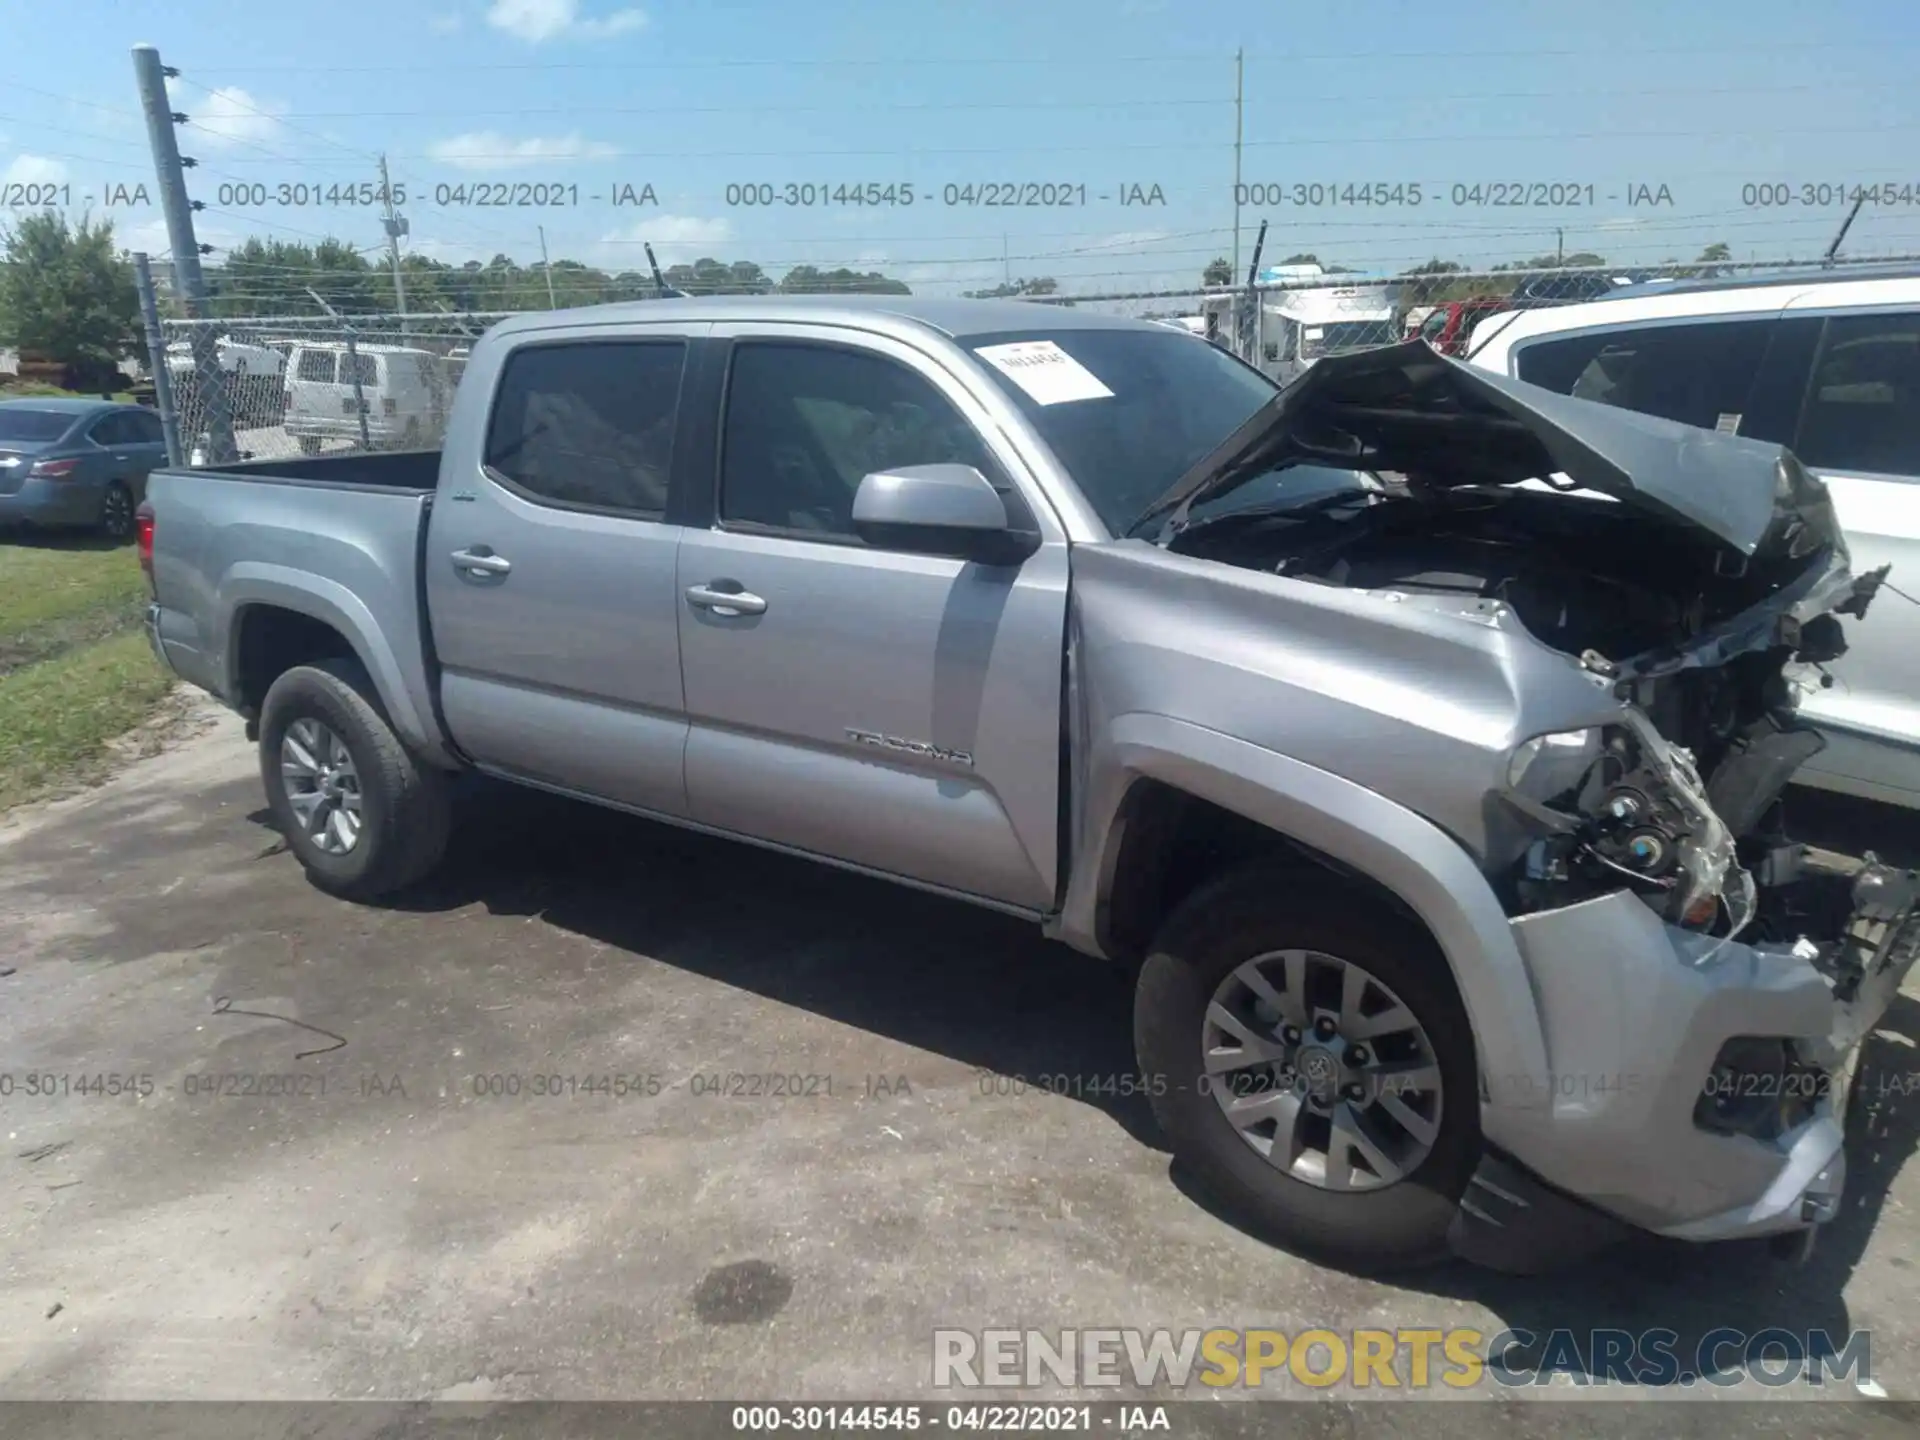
944, 510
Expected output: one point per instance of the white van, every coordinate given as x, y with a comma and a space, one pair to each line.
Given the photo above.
254, 380
1826, 363
405, 392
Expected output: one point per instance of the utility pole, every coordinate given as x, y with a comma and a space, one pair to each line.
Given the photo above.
546, 268
1239, 98
189, 283
157, 357
353, 366
1006, 266
1559, 245
396, 226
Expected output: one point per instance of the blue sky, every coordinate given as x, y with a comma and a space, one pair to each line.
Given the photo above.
689, 98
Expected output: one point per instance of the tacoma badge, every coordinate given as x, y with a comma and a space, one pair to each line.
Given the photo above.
912, 747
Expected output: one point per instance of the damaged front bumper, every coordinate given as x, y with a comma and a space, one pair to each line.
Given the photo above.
1697, 1087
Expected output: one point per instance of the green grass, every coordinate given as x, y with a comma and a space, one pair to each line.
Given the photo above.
56, 594
34, 390
75, 670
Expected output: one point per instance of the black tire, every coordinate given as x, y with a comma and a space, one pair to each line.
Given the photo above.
116, 512
404, 806
1256, 910
309, 445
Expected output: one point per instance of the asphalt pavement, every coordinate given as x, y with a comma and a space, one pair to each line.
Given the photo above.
487, 1144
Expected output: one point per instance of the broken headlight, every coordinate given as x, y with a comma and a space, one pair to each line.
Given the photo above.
1621, 805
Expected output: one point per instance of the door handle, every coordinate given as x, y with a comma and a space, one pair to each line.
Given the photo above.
725, 602
481, 561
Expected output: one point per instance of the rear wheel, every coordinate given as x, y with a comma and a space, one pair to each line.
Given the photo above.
362, 814
1319, 1066
116, 512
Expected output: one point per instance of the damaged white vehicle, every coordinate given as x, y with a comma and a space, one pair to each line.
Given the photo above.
1665, 1012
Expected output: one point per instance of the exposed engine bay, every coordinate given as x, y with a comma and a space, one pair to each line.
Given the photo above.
1680, 801
1628, 775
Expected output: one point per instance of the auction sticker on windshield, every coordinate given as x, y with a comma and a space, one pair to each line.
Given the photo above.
1045, 371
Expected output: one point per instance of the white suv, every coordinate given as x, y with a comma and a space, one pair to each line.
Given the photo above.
1825, 362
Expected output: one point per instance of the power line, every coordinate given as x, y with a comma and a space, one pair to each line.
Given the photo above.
1790, 48
1140, 103
517, 158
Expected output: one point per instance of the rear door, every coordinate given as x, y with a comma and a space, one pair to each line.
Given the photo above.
118, 453
1859, 430
142, 450
311, 386
900, 712
550, 567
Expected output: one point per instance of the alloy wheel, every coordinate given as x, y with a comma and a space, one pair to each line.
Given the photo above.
1322, 1070
322, 785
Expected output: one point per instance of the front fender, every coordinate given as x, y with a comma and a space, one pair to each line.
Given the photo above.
1359, 827
256, 583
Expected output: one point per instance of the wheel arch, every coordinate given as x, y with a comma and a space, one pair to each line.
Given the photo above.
275, 620
1137, 857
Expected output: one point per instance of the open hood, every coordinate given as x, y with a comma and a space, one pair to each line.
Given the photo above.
1406, 409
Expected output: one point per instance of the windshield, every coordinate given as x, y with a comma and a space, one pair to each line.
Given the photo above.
33, 424
1126, 412
1344, 335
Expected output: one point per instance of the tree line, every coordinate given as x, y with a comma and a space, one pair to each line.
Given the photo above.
67, 293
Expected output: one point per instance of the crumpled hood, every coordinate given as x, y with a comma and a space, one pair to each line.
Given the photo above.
1409, 410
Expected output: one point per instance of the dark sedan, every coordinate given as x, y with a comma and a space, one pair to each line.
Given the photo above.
67, 463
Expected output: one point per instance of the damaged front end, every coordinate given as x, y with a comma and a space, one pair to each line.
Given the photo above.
1704, 982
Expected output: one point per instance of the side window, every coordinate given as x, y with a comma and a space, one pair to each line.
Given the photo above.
805, 424
1863, 407
1696, 374
589, 424
142, 427
367, 366
110, 430
317, 365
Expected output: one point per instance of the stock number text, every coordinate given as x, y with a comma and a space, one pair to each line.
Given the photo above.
808, 195
239, 194
1776, 194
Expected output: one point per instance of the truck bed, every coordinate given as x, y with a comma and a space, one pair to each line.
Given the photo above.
414, 471
334, 538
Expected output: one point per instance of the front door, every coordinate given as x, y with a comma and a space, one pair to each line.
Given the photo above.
550, 570
1860, 432
897, 711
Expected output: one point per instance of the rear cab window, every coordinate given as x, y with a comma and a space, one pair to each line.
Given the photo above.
588, 424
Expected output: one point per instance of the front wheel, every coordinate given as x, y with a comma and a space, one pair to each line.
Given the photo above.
362, 814
1319, 1068
309, 445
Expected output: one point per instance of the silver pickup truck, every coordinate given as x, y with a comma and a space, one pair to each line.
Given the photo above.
1417, 735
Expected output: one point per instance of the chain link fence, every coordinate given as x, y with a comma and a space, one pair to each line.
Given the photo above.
296, 385
300, 385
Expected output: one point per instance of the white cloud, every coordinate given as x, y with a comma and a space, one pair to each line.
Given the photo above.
490, 150
676, 239
230, 117
33, 170
537, 21
445, 24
